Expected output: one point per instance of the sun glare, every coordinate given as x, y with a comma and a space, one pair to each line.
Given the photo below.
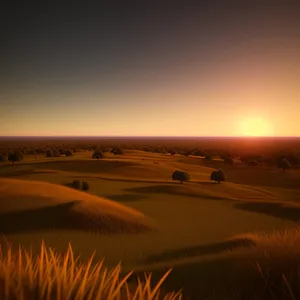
256, 127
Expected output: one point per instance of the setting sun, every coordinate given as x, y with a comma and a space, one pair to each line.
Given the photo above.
256, 126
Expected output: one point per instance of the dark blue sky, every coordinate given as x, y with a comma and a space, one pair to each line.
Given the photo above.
141, 57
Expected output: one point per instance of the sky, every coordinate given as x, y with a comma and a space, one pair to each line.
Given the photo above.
150, 68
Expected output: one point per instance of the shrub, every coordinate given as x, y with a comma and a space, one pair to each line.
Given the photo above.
187, 153
49, 153
116, 150
97, 154
68, 152
218, 176
198, 153
52, 152
15, 156
85, 185
181, 176
77, 184
283, 164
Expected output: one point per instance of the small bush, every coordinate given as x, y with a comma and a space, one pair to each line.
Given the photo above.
181, 176
97, 154
218, 176
117, 150
68, 152
77, 184
15, 156
85, 186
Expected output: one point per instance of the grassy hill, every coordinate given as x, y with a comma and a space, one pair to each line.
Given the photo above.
195, 224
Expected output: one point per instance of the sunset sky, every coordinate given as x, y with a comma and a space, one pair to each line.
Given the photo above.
128, 68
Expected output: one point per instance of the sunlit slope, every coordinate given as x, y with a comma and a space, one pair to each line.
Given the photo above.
34, 205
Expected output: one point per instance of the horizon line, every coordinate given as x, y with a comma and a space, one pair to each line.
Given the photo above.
139, 136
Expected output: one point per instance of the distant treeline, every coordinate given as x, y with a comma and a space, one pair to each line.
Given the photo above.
261, 150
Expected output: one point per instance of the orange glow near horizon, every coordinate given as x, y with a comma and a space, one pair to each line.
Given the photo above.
255, 126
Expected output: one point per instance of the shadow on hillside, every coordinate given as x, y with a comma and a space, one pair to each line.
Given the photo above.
26, 172
277, 210
63, 217
181, 190
49, 217
124, 179
125, 197
218, 278
82, 166
200, 250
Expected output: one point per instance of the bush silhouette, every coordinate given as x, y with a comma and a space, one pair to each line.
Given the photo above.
77, 184
117, 150
68, 152
15, 156
85, 185
218, 176
283, 164
181, 176
53, 152
97, 154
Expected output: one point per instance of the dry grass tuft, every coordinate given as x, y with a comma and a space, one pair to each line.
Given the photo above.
53, 276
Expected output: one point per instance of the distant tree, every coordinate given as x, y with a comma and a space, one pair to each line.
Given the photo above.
181, 176
77, 184
187, 153
61, 151
85, 186
198, 153
68, 152
55, 152
218, 176
40, 151
15, 156
49, 153
116, 150
97, 154
208, 157
283, 164
228, 161
3, 158
172, 152
52, 152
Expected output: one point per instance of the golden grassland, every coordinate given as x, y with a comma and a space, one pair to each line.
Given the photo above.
52, 276
237, 239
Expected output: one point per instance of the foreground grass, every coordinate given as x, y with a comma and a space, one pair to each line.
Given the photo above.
268, 268
53, 276
263, 266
